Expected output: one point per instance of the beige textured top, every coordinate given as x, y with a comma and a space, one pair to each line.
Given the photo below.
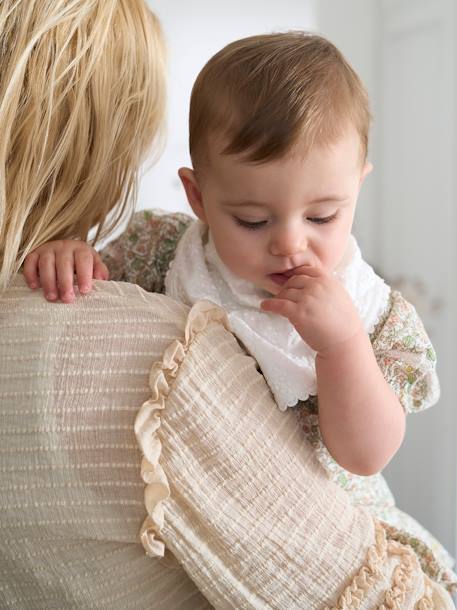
71, 498
73, 380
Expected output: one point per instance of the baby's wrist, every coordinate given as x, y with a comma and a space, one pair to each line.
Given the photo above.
353, 341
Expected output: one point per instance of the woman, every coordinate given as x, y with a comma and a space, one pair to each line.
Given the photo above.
82, 100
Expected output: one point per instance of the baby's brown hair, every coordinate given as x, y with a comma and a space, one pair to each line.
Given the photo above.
264, 96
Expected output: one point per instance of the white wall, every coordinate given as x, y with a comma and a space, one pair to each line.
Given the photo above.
194, 32
350, 25
405, 53
417, 220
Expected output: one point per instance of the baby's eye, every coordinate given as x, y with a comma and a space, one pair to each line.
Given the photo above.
321, 221
250, 225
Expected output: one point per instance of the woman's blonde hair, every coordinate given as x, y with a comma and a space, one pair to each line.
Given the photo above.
263, 96
82, 99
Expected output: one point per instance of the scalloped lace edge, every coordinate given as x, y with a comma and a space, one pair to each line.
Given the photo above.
148, 421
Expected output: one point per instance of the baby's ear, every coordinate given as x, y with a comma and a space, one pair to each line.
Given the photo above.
367, 168
193, 192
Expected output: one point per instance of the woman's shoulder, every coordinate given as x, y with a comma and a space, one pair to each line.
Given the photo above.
142, 254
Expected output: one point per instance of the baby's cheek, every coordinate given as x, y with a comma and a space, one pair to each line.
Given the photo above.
332, 257
234, 260
238, 254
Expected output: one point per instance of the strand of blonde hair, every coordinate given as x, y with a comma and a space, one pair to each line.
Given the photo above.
82, 99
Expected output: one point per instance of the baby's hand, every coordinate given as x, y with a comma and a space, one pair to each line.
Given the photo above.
319, 307
54, 264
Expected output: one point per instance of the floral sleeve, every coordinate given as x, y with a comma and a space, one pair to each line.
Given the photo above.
406, 356
142, 254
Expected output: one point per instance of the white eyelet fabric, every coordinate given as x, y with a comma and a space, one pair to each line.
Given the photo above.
286, 361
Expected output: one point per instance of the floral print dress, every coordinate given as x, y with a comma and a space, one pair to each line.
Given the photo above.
142, 255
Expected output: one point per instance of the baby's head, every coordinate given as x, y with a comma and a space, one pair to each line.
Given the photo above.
278, 138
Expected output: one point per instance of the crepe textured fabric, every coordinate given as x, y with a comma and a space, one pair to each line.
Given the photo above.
72, 503
267, 531
72, 379
401, 346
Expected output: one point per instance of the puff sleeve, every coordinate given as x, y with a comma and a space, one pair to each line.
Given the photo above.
406, 356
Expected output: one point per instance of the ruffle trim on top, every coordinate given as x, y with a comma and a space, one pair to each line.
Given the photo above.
148, 421
353, 595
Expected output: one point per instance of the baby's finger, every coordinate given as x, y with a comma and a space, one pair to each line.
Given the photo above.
282, 307
30, 270
298, 281
290, 294
308, 270
84, 262
65, 268
100, 269
47, 270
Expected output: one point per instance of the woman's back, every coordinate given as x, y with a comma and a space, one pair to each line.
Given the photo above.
72, 496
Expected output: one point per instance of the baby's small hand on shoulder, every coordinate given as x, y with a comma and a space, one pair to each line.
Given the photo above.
54, 265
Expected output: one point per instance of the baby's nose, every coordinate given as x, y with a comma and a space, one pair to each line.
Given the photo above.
288, 243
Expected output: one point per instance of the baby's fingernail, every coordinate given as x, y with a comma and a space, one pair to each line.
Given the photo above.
51, 296
33, 285
84, 289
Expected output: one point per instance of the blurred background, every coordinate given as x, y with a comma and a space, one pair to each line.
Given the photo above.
406, 223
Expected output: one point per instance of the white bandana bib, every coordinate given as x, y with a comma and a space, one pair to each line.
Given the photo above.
286, 361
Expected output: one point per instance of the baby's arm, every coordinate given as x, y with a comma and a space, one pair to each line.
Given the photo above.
361, 419
54, 265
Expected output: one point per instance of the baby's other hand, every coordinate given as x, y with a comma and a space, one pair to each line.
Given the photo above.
319, 307
54, 264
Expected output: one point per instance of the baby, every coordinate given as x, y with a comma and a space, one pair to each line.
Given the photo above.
278, 139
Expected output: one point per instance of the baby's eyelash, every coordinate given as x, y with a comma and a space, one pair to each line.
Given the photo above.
250, 225
321, 221
253, 226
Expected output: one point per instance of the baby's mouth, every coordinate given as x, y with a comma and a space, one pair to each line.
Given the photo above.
278, 278
281, 278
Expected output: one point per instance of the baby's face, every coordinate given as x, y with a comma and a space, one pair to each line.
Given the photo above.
268, 219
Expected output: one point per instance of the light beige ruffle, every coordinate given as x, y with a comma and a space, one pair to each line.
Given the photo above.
148, 420
434, 596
